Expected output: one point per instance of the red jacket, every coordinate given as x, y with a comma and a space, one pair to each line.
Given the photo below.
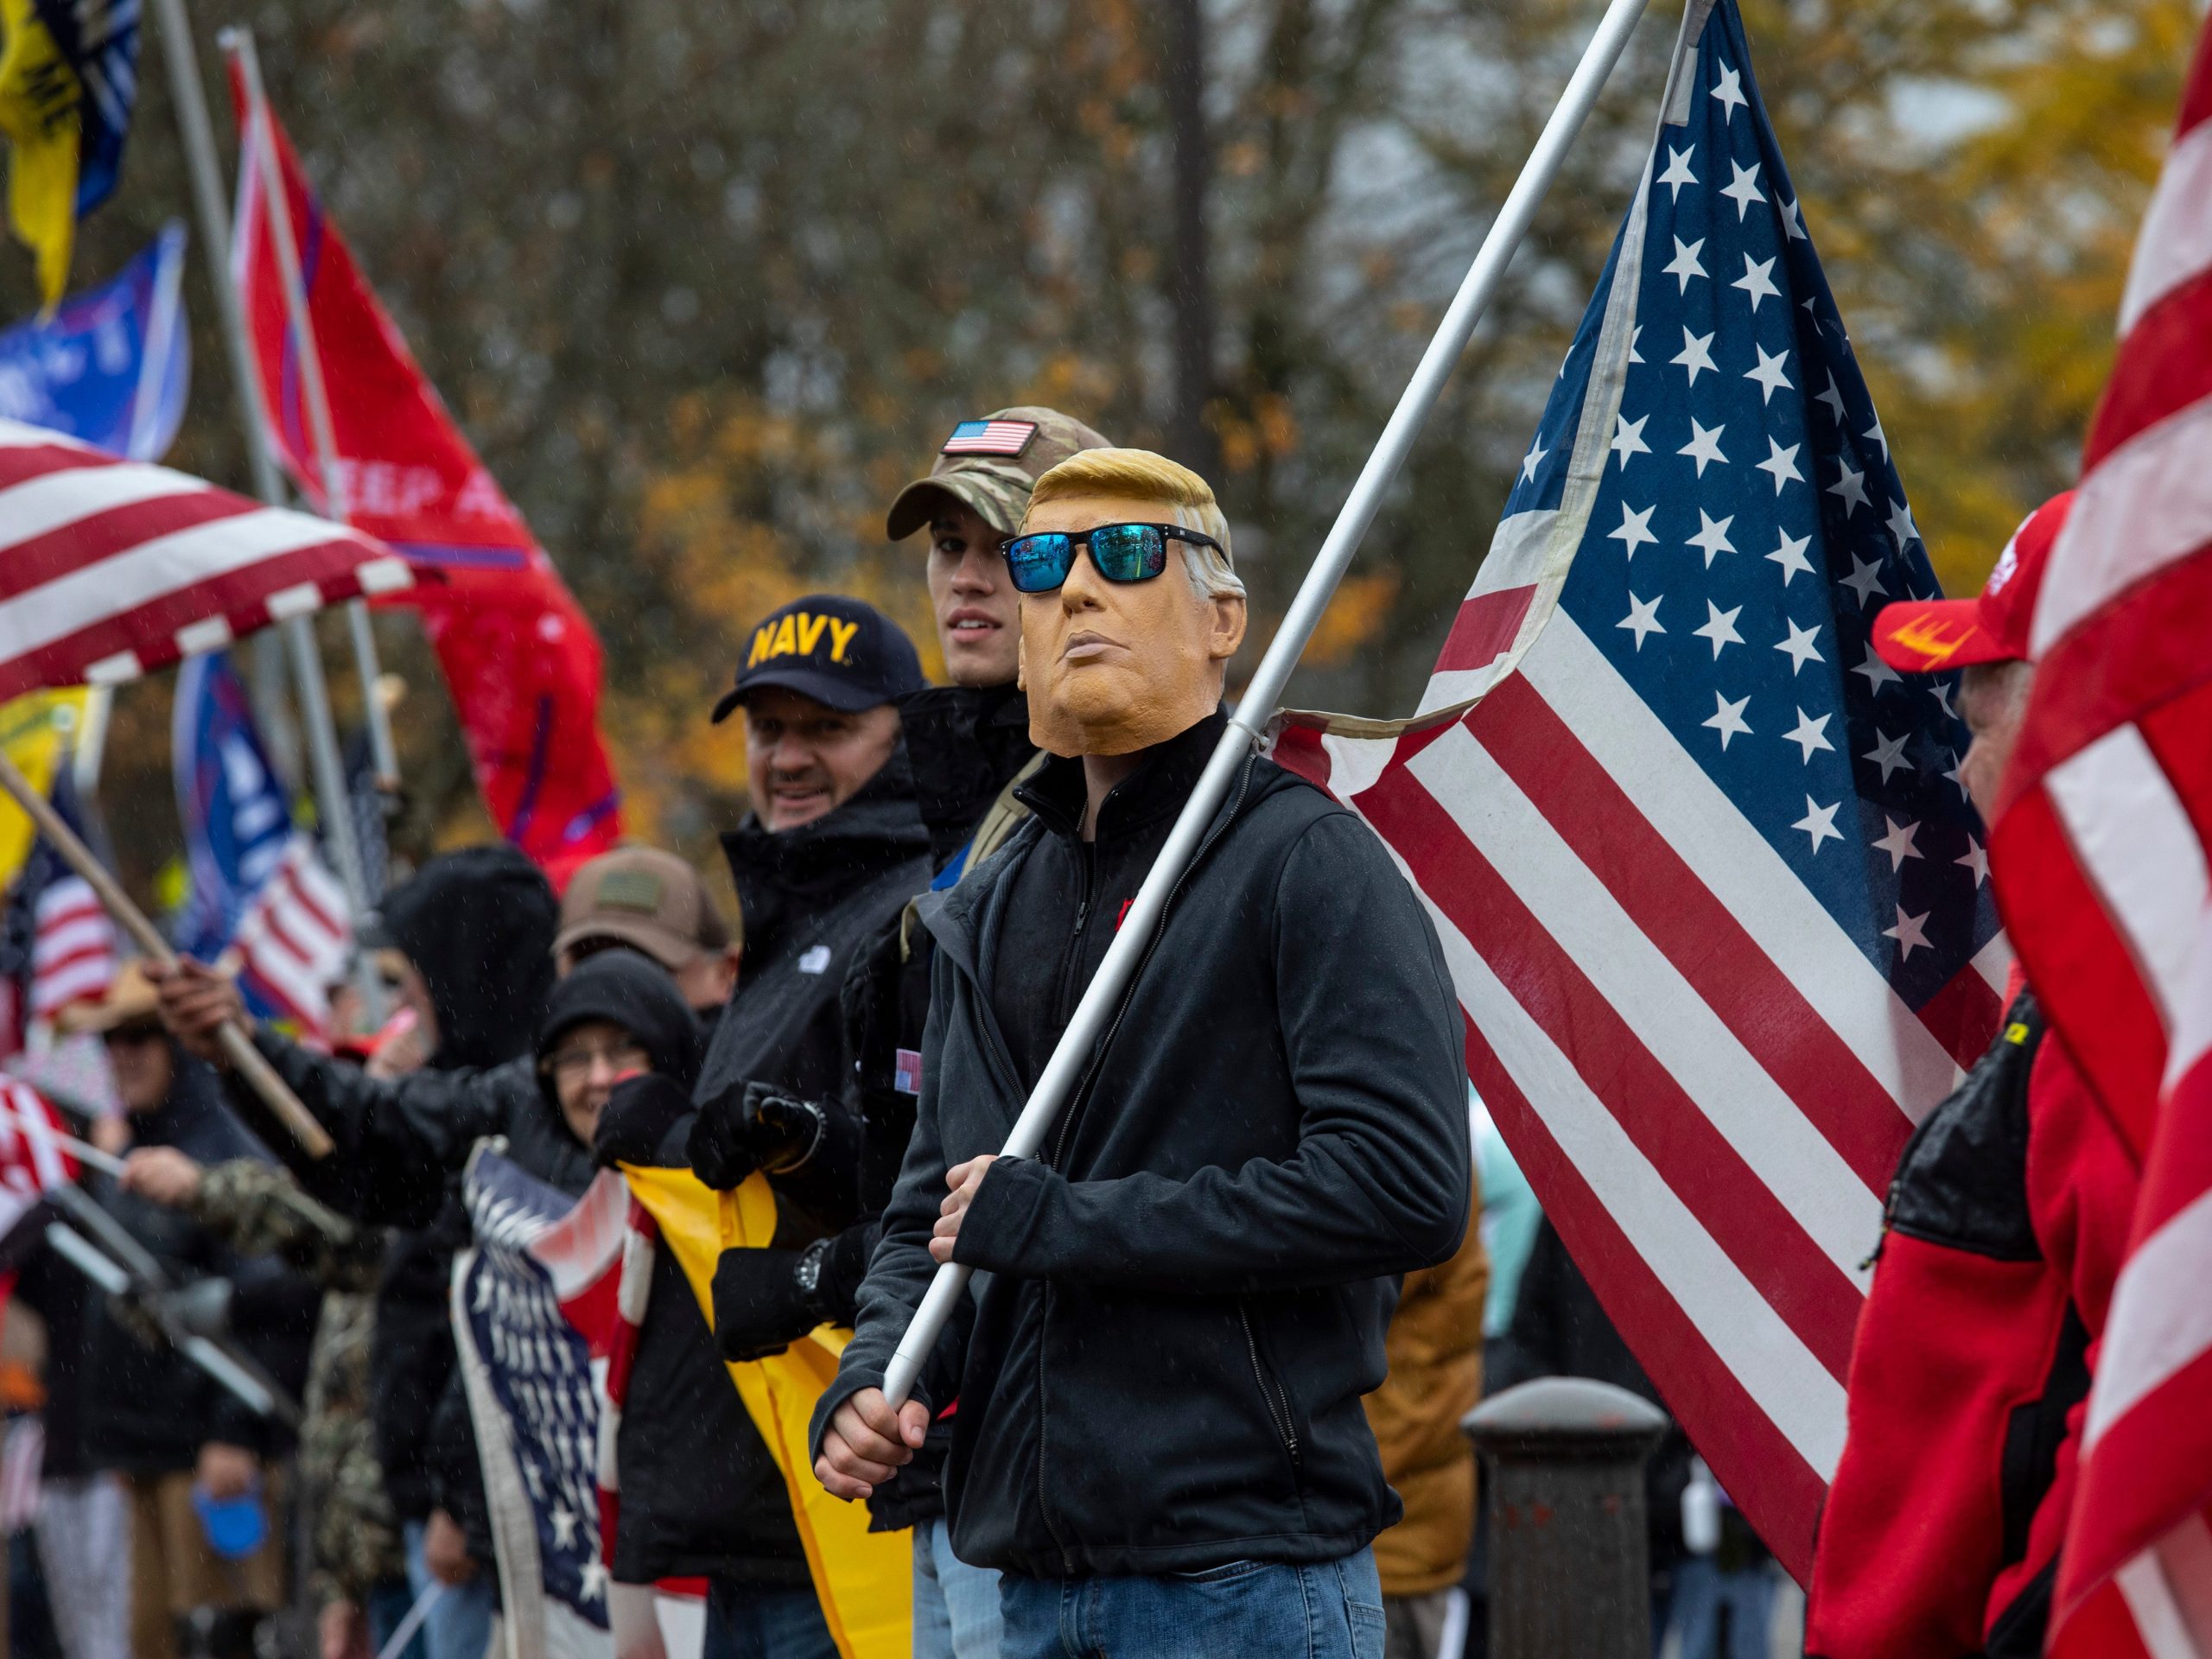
2005, 1230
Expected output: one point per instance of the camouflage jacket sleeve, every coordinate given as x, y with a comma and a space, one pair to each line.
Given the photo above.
258, 1209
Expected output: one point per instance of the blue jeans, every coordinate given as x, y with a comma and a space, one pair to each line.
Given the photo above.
745, 1621
389, 1601
459, 1625
1247, 1610
956, 1605
1701, 1590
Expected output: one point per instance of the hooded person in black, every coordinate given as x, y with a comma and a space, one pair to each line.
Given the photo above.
476, 930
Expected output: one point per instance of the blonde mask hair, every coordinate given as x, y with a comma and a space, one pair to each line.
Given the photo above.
1140, 474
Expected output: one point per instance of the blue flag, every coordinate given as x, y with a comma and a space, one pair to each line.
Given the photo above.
113, 364
236, 822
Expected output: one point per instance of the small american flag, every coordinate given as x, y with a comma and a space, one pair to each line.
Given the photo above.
60, 946
110, 568
1704, 873
292, 939
2102, 844
32, 1162
990, 438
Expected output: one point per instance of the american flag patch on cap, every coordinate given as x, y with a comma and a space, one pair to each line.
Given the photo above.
990, 438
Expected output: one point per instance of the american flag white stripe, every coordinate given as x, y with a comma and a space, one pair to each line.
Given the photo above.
31, 1162
2175, 241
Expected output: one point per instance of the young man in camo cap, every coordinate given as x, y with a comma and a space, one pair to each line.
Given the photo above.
968, 742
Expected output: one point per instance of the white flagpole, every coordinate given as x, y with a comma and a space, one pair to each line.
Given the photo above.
1257, 705
237, 42
331, 794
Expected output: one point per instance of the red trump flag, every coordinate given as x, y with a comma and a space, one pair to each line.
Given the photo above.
519, 657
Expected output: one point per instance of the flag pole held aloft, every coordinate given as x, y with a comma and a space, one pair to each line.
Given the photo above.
237, 42
1123, 956
238, 1048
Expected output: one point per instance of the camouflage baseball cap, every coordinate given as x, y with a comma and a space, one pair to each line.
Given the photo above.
991, 464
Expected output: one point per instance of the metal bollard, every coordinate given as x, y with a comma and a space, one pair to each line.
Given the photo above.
1570, 1553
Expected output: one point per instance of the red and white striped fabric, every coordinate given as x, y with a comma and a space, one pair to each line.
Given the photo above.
32, 1162
293, 938
110, 568
73, 949
2099, 853
600, 1257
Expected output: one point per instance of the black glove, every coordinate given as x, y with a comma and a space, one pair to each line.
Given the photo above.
638, 1114
765, 1299
753, 1126
784, 1130
720, 1147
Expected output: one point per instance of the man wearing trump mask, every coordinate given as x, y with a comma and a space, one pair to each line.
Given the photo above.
1178, 1305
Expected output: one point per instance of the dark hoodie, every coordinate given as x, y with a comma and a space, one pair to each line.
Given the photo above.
479, 926
147, 1410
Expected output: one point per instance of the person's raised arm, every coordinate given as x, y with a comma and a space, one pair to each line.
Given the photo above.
1380, 1181
396, 1138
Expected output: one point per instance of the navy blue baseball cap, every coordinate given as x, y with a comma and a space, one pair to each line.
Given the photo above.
840, 651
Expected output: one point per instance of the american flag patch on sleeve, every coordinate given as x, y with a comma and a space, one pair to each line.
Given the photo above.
990, 438
907, 1071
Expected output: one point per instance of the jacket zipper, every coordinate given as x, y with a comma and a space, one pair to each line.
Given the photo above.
1277, 1402
1077, 1099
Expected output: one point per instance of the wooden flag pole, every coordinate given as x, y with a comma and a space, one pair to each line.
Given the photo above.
238, 1048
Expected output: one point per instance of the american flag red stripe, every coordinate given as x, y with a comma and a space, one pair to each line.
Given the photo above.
2100, 857
110, 568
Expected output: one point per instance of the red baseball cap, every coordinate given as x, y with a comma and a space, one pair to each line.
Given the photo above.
1927, 636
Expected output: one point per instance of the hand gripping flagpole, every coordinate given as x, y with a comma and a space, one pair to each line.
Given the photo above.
1258, 704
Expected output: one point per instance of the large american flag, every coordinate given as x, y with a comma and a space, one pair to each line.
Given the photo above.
110, 568
1706, 880
546, 1308
2101, 852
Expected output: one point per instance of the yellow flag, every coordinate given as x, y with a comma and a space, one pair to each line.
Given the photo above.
34, 734
40, 96
864, 1580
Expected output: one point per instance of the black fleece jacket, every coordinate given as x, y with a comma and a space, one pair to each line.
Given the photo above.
1181, 1304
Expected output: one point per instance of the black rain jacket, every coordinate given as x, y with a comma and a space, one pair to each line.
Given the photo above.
1182, 1303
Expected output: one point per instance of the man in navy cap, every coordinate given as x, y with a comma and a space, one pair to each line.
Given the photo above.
830, 854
